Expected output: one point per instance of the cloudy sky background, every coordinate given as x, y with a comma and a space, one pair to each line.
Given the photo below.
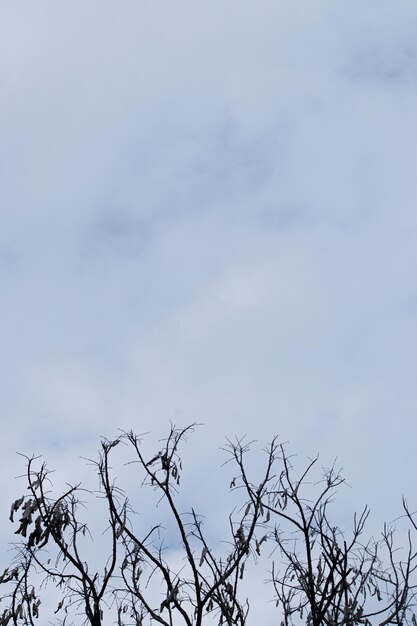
208, 213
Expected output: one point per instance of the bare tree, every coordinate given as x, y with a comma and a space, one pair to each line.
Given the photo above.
140, 582
162, 566
322, 576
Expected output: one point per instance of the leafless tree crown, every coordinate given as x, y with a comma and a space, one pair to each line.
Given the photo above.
317, 574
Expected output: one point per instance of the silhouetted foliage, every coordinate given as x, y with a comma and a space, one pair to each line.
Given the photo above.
318, 574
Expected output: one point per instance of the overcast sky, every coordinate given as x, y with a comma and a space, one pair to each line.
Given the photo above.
209, 213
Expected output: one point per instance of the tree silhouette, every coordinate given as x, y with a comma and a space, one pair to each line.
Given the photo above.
326, 576
318, 575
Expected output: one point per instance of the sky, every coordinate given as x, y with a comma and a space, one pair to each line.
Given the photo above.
208, 213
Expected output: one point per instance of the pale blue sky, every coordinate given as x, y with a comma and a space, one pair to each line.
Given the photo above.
208, 212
